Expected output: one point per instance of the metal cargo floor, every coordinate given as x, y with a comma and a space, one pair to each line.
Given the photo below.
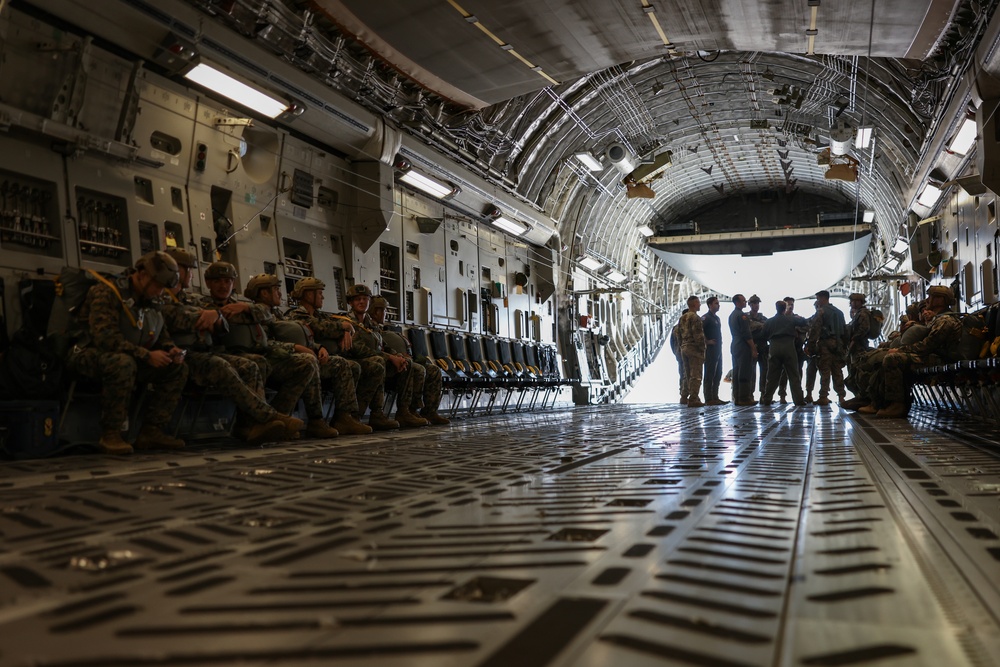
614, 535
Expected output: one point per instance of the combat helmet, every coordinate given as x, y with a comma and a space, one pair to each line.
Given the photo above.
183, 257
357, 290
857, 296
220, 270
305, 285
941, 290
160, 266
379, 302
259, 282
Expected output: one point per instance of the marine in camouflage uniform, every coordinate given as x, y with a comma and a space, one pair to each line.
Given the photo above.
265, 292
235, 377
757, 320
367, 342
122, 342
429, 378
857, 348
827, 341
334, 333
293, 372
940, 345
691, 332
340, 374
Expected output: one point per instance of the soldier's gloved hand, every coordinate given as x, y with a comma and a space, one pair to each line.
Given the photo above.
159, 359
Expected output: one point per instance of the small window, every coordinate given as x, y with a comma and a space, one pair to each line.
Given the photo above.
454, 245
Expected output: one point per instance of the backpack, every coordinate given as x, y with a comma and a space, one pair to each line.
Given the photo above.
71, 287
973, 343
875, 321
675, 340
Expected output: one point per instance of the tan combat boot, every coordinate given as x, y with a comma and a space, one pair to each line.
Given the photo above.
349, 424
895, 410
293, 425
379, 422
111, 442
408, 419
153, 437
434, 418
272, 431
318, 428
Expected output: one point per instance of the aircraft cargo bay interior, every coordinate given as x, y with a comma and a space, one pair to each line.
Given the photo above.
546, 333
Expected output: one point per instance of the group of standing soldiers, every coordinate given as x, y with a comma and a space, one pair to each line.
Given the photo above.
771, 349
147, 327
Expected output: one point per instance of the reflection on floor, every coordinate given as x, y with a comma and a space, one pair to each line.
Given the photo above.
614, 535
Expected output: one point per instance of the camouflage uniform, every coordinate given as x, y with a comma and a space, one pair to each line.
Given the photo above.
692, 343
236, 377
103, 352
857, 346
342, 374
368, 343
757, 321
428, 382
328, 331
940, 345
295, 374
827, 334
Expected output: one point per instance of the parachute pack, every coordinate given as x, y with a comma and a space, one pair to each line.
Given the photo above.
71, 287
875, 321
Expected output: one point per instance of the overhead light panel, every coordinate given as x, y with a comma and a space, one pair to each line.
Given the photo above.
646, 230
590, 263
237, 91
930, 195
900, 247
510, 226
868, 216
589, 161
966, 137
429, 185
615, 276
863, 138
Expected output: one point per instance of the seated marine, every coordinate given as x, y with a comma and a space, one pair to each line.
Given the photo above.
237, 378
120, 339
428, 384
341, 373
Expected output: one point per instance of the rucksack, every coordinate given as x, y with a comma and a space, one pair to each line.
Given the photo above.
875, 321
974, 343
675, 340
71, 287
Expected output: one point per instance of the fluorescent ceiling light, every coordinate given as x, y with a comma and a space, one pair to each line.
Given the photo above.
589, 262
864, 137
616, 276
930, 195
900, 247
589, 161
511, 226
646, 230
431, 186
868, 216
237, 91
965, 138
